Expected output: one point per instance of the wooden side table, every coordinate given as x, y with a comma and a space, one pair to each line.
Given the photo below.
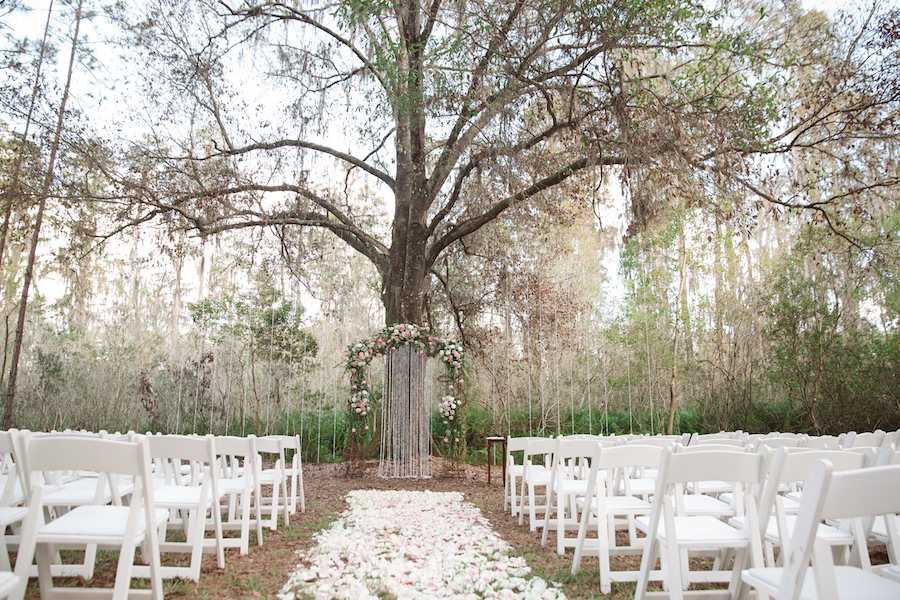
491, 440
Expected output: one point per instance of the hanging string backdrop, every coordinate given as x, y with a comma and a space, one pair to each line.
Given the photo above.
404, 435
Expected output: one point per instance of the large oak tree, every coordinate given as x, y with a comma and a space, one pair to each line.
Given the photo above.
283, 114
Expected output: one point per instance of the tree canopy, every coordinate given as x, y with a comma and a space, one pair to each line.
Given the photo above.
296, 114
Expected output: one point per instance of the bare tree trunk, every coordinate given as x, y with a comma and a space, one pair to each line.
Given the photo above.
670, 426
12, 190
35, 235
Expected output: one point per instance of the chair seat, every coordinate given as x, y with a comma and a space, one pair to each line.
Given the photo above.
699, 531
269, 476
710, 487
82, 491
538, 477
573, 486
100, 524
879, 528
851, 583
832, 535
515, 470
8, 582
641, 486
701, 504
230, 486
621, 505
17, 496
176, 496
12, 514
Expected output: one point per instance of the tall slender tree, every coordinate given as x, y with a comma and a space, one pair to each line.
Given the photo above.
36, 229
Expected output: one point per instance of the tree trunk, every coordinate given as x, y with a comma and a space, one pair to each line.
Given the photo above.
35, 236
11, 193
670, 425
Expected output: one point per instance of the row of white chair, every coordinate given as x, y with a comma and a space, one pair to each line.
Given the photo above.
704, 499
79, 489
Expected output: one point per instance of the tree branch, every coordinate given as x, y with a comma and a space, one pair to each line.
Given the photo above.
473, 224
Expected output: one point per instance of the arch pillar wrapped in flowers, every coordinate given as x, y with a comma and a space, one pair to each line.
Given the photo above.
405, 440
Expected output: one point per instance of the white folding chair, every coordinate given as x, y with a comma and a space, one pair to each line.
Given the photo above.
66, 489
867, 439
536, 458
274, 478
846, 495
191, 492
513, 474
673, 538
824, 442
709, 497
294, 472
611, 470
121, 528
568, 483
12, 513
239, 483
778, 511
879, 532
736, 438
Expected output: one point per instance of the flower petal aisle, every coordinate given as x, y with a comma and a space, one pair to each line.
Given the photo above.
408, 544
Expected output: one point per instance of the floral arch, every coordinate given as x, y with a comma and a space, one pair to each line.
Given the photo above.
420, 340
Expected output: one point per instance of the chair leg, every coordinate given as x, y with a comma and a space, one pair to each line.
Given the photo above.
245, 523
4, 554
603, 543
648, 559
45, 578
560, 524
532, 513
195, 538
583, 525
123, 571
677, 581
217, 528
90, 560
522, 502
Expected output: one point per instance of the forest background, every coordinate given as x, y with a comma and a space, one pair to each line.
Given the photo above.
755, 289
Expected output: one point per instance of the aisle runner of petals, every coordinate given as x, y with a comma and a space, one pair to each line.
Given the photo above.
407, 544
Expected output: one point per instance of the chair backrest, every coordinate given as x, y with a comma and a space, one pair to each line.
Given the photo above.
516, 444
891, 437
539, 446
291, 445
290, 442
572, 456
867, 439
700, 438
828, 494
235, 453
725, 465
270, 445
888, 455
711, 447
621, 463
273, 447
660, 441
13, 481
823, 442
168, 452
630, 456
780, 442
66, 453
793, 467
